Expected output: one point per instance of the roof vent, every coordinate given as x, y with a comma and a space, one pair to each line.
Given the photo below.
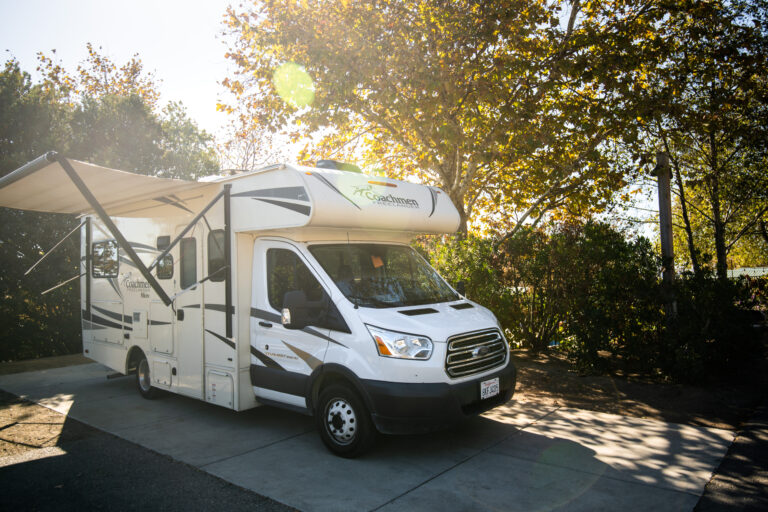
338, 166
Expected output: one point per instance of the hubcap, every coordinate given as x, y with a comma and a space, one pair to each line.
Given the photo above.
143, 372
341, 421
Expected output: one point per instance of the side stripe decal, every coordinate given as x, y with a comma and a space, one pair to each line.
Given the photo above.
222, 338
311, 360
298, 208
332, 187
275, 318
264, 358
113, 314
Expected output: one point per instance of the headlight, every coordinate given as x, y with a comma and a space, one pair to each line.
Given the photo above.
401, 345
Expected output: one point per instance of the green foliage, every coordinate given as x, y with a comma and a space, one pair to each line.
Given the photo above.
593, 292
500, 103
104, 115
713, 334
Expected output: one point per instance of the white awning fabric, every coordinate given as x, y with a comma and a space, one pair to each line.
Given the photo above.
43, 185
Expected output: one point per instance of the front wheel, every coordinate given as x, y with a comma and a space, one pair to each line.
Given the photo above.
143, 380
344, 422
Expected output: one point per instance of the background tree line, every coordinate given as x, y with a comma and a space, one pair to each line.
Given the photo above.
102, 113
537, 117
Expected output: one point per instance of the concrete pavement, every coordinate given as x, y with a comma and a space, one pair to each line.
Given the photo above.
516, 457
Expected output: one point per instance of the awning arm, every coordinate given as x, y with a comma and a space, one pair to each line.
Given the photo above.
121, 241
29, 168
185, 231
62, 283
53, 248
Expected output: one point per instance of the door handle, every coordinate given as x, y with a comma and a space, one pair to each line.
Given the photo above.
265, 324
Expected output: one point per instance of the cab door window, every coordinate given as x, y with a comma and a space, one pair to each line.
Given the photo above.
286, 272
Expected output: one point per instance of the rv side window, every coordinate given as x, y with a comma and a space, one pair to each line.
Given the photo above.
286, 272
188, 262
165, 267
104, 258
216, 261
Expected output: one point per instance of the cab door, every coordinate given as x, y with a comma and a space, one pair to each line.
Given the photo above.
283, 359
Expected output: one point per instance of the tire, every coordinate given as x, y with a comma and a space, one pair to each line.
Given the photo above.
144, 379
343, 421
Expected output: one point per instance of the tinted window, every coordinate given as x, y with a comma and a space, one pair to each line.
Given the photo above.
286, 272
216, 261
188, 262
381, 276
104, 257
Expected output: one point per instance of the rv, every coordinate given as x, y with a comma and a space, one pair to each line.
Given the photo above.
287, 286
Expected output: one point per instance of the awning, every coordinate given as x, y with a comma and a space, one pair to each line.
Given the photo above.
42, 185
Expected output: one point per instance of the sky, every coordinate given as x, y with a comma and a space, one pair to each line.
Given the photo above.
180, 41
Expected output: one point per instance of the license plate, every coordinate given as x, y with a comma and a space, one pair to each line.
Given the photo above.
489, 388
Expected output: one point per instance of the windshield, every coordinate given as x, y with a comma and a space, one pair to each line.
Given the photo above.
382, 276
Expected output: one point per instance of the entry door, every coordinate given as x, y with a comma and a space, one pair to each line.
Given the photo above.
189, 317
282, 359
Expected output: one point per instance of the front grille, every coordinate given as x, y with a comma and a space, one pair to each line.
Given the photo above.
475, 352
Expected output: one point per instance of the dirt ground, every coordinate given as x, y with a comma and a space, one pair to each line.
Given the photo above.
25, 426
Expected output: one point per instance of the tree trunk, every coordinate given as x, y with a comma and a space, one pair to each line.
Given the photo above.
687, 222
721, 252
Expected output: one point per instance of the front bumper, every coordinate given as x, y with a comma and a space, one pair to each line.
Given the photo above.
410, 408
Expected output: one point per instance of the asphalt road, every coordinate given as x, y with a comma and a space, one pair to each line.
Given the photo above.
94, 470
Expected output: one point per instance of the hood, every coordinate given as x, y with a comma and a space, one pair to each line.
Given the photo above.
436, 321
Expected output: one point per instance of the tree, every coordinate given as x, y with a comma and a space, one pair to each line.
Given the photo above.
712, 94
104, 114
508, 106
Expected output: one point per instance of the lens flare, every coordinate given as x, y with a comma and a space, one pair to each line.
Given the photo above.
294, 85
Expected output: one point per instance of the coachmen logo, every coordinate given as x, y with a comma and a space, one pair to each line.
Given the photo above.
135, 286
388, 200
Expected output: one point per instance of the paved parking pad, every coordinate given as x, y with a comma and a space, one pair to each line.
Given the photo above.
516, 457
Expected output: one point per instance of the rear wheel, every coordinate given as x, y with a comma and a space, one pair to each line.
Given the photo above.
344, 422
144, 380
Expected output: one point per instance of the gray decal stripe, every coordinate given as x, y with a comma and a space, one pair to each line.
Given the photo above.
313, 332
433, 194
273, 317
283, 381
90, 326
213, 307
266, 315
297, 193
108, 323
311, 360
113, 314
298, 208
126, 261
113, 282
268, 361
329, 184
222, 338
137, 245
158, 322
171, 202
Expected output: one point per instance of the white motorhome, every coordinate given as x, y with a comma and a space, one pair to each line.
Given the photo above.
289, 286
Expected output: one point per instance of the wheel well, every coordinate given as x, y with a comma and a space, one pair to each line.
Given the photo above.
330, 377
132, 361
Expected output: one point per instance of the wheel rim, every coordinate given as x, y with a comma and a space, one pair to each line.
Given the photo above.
143, 373
340, 421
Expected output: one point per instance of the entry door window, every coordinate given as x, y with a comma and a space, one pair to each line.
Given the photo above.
188, 262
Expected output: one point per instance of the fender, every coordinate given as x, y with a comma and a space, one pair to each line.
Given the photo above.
330, 371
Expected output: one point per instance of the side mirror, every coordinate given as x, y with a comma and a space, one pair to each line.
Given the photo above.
295, 312
461, 287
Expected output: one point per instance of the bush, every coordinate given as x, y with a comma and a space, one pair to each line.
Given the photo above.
590, 289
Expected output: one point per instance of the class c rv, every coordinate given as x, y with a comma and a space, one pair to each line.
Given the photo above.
287, 286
